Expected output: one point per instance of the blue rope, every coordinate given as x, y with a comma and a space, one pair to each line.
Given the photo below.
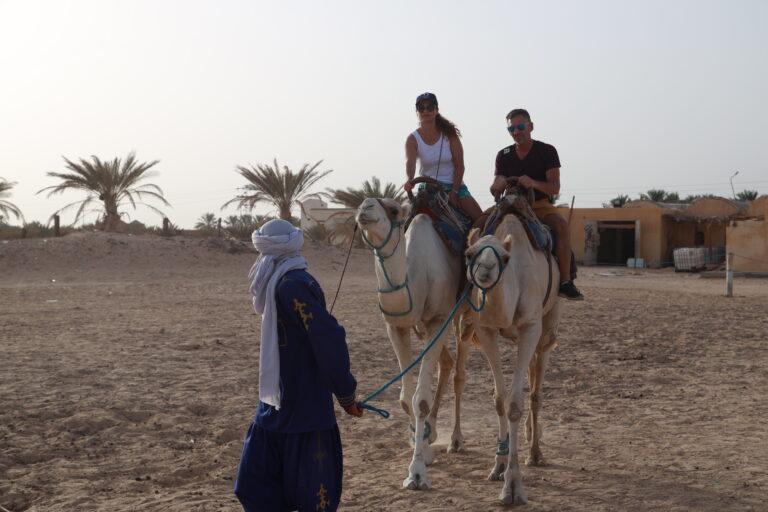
503, 446
464, 297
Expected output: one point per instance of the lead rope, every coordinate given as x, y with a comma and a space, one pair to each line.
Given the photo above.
343, 271
464, 297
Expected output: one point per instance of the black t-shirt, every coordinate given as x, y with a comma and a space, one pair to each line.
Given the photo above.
541, 158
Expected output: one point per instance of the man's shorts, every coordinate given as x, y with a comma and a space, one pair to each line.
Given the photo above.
283, 472
447, 187
543, 207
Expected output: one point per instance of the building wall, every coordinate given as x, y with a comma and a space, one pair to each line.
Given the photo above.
749, 239
651, 238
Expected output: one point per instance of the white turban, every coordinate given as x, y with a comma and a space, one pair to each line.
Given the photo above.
278, 242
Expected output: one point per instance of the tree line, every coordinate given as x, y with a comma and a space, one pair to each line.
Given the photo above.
110, 186
662, 196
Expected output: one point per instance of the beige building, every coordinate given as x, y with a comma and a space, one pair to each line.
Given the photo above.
652, 231
747, 239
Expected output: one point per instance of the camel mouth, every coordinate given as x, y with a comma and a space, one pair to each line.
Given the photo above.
364, 220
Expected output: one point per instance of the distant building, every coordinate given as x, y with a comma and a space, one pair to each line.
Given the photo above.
652, 231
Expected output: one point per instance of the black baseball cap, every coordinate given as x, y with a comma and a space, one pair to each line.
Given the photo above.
426, 96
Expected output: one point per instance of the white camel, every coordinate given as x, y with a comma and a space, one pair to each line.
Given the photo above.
418, 279
522, 306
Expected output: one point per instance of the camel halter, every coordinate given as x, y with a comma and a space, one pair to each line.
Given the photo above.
381, 258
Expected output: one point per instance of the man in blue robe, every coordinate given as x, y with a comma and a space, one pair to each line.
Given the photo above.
292, 455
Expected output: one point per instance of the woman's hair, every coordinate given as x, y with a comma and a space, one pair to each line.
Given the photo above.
446, 127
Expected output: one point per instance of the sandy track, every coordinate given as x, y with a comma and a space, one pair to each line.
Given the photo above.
134, 389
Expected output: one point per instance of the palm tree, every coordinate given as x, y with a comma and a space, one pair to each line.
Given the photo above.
281, 189
747, 195
656, 195
206, 223
6, 207
317, 233
617, 202
112, 183
353, 197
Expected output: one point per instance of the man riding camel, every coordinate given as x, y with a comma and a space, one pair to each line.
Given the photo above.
538, 167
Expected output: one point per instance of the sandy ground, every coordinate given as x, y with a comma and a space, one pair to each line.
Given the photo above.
129, 370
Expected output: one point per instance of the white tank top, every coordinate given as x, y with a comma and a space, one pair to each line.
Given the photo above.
436, 163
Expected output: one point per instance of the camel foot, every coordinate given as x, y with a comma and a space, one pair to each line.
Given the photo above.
535, 459
509, 496
416, 482
497, 473
456, 446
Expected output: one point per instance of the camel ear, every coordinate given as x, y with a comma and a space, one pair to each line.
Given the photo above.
507, 244
474, 236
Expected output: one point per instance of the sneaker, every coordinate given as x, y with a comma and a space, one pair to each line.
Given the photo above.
569, 291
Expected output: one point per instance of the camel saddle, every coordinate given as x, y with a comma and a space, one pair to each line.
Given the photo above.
538, 233
450, 223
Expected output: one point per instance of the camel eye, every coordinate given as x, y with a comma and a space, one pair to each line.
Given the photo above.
505, 259
393, 211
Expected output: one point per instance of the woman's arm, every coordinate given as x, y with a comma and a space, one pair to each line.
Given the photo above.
411, 153
457, 150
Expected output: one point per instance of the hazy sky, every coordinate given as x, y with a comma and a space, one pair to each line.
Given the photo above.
634, 95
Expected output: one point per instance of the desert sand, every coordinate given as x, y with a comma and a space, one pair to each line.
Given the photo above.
129, 365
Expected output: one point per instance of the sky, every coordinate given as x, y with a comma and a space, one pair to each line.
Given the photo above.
634, 95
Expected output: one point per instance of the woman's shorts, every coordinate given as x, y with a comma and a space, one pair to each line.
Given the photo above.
447, 187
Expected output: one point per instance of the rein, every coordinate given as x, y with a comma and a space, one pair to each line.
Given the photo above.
464, 297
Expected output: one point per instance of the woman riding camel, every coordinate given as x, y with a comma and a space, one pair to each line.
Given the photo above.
437, 146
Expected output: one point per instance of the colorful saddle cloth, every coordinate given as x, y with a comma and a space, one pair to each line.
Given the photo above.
451, 224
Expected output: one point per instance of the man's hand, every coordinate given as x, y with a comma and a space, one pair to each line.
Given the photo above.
526, 182
499, 185
408, 186
354, 410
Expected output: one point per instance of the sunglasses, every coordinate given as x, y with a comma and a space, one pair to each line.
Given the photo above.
430, 107
519, 127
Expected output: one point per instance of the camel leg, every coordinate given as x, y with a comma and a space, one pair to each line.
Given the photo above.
423, 453
443, 374
487, 337
533, 425
463, 332
401, 342
513, 492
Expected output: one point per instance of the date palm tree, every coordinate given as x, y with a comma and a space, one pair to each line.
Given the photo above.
206, 224
279, 188
6, 207
111, 182
353, 197
747, 195
657, 195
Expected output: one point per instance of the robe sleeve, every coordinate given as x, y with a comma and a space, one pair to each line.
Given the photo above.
326, 337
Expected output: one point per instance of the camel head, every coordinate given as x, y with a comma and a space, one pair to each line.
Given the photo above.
376, 217
482, 260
